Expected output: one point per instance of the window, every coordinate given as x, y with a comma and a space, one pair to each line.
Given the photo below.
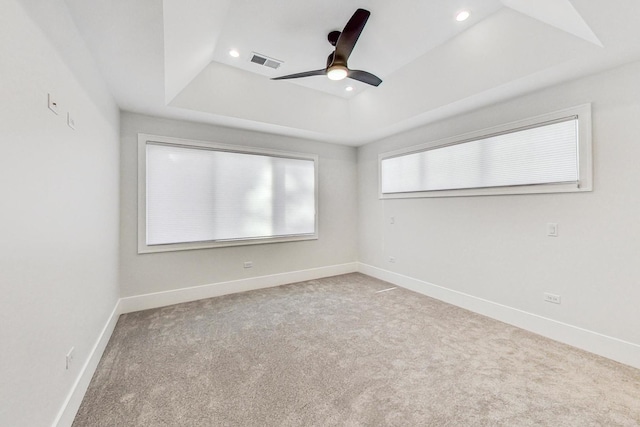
546, 154
195, 195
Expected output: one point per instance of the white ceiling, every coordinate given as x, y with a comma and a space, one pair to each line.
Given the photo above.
171, 59
396, 33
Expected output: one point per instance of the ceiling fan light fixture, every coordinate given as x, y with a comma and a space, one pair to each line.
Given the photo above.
337, 72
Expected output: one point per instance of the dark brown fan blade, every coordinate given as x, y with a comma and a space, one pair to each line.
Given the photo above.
349, 36
305, 74
364, 77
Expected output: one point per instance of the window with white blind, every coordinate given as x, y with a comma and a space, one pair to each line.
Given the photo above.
195, 195
545, 154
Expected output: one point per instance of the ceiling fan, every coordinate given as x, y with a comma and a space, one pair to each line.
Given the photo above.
344, 43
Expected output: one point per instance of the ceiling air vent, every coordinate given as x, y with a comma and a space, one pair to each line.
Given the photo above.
260, 59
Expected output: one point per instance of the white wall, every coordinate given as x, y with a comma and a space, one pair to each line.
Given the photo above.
158, 272
59, 214
495, 248
63, 191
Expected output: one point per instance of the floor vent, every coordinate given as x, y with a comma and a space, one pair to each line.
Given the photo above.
260, 59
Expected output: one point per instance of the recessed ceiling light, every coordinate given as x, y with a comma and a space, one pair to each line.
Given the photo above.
462, 15
348, 88
234, 53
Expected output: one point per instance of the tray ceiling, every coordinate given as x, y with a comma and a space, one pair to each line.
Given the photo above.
171, 58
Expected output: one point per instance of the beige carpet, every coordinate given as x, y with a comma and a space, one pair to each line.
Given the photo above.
333, 352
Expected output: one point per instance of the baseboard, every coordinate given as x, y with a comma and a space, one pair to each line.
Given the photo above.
72, 403
177, 296
593, 342
606, 346
74, 398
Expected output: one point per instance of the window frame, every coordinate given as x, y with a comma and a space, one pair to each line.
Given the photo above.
143, 248
585, 166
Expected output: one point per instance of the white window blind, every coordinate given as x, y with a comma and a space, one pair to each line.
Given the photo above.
541, 154
199, 194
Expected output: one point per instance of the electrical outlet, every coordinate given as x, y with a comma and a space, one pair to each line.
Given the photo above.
248, 264
52, 103
70, 356
552, 298
392, 259
392, 220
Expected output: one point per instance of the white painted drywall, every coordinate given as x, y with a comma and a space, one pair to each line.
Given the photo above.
157, 272
222, 90
59, 214
191, 30
496, 247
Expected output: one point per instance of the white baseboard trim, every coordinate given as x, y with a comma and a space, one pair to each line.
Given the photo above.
594, 342
177, 296
603, 345
72, 403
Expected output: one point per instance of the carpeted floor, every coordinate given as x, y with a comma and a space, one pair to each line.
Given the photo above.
335, 352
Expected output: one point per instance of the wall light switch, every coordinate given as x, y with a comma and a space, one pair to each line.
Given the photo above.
392, 220
552, 229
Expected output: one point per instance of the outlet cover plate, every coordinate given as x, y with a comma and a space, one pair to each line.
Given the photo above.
555, 299
71, 122
70, 355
